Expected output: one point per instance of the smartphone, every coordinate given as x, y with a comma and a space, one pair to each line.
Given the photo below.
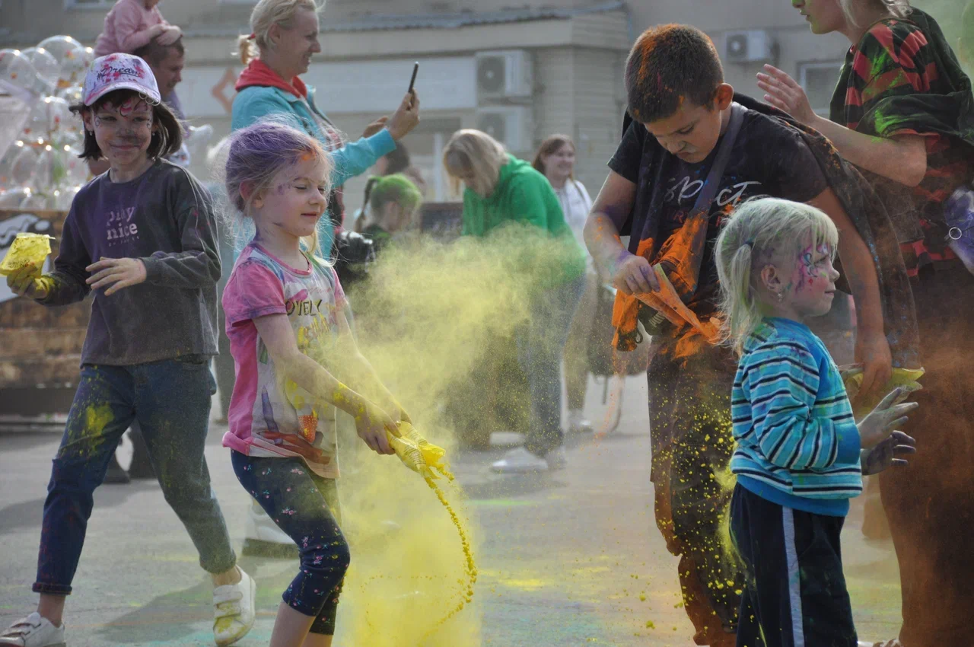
412, 81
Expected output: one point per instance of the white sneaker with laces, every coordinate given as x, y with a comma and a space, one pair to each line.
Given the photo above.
234, 611
556, 459
33, 631
520, 461
577, 424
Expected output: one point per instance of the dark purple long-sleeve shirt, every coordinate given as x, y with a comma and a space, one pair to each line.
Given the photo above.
164, 217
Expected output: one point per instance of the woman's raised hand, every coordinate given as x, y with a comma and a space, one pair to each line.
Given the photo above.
784, 93
406, 117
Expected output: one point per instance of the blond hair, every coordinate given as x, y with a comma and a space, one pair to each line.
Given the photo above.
265, 15
757, 233
895, 8
477, 153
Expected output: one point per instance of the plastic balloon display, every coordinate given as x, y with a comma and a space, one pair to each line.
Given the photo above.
58, 46
48, 168
16, 70
46, 66
47, 117
71, 94
24, 165
12, 198
74, 64
6, 167
64, 197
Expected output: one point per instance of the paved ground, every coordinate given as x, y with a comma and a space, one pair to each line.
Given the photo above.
568, 559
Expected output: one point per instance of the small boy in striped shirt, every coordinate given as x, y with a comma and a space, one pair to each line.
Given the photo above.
800, 455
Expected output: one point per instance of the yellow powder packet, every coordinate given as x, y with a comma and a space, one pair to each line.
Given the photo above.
27, 250
418, 454
905, 378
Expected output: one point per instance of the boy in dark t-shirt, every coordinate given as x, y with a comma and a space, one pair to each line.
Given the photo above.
681, 110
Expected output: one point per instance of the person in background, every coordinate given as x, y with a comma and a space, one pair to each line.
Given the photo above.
132, 24
167, 61
555, 159
283, 39
394, 202
399, 161
394, 163
227, 243
502, 190
903, 112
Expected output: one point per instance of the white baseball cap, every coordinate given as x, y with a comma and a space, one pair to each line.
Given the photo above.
119, 72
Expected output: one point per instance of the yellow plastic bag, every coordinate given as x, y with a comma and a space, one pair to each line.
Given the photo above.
27, 250
904, 378
418, 454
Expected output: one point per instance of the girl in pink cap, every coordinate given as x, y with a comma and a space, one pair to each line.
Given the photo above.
142, 238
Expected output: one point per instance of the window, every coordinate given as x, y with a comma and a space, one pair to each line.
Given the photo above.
819, 80
101, 5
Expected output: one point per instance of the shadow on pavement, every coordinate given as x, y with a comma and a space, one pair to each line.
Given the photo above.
185, 617
28, 514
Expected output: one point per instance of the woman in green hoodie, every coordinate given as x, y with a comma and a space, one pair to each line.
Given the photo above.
502, 191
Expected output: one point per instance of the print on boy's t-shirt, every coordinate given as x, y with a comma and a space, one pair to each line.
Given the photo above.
768, 159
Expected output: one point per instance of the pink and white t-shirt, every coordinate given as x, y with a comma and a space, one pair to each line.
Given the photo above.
271, 416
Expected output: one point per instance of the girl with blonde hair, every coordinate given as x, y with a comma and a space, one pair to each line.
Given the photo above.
501, 190
797, 445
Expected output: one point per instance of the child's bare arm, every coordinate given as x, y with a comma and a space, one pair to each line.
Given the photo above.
371, 421
872, 348
357, 370
631, 274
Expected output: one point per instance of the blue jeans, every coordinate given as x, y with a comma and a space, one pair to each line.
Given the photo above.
170, 400
305, 506
540, 347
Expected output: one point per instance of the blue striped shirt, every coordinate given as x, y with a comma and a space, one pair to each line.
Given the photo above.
797, 440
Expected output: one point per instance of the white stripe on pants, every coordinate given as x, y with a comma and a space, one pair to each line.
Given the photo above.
794, 577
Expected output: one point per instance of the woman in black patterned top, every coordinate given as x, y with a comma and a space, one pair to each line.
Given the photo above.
903, 112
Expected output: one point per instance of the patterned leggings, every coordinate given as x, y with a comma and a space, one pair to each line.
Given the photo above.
305, 506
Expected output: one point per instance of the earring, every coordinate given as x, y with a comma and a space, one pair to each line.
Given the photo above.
781, 297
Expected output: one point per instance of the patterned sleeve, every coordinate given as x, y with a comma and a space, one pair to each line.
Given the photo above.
253, 291
893, 65
781, 380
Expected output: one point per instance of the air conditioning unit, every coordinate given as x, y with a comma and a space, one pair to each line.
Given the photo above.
505, 74
751, 46
510, 125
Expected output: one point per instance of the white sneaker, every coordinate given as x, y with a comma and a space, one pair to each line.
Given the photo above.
263, 538
33, 631
234, 611
577, 424
520, 461
556, 459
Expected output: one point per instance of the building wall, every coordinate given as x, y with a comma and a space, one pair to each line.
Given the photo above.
599, 105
